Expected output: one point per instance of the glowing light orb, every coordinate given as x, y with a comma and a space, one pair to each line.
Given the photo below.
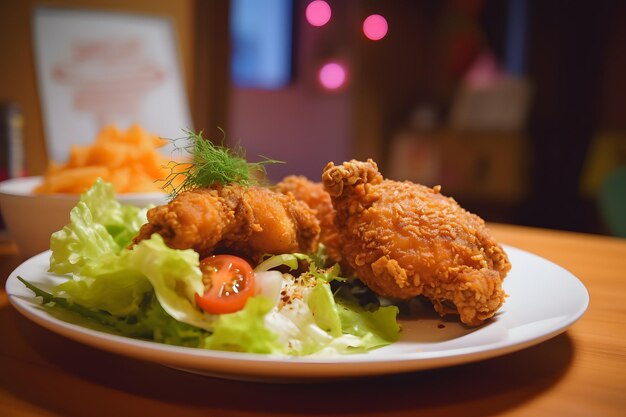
375, 27
332, 75
318, 13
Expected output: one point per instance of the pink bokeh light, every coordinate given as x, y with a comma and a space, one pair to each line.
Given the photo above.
332, 75
375, 27
318, 13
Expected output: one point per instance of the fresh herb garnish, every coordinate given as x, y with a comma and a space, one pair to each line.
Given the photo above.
211, 164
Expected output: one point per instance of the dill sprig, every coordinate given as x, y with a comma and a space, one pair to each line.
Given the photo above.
211, 164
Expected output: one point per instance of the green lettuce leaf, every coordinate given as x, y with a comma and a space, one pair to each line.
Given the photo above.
375, 328
118, 283
149, 291
371, 328
245, 330
326, 323
99, 227
175, 276
80, 242
151, 322
118, 291
154, 323
109, 277
288, 259
122, 221
322, 304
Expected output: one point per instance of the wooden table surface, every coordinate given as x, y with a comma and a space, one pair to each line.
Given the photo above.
580, 373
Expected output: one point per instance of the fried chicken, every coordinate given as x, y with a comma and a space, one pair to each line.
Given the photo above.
247, 221
314, 195
405, 239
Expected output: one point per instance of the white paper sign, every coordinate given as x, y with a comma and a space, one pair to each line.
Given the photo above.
98, 68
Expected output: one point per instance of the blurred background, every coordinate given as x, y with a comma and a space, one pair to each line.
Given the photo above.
516, 107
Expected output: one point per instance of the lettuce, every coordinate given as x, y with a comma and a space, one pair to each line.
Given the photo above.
314, 323
317, 262
324, 309
149, 291
175, 276
290, 260
122, 221
118, 292
154, 323
100, 227
375, 328
80, 242
110, 277
245, 330
117, 284
370, 329
151, 322
351, 327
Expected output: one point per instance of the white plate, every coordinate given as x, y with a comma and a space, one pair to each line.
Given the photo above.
544, 300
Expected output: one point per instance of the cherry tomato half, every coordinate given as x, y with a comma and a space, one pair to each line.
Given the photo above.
228, 282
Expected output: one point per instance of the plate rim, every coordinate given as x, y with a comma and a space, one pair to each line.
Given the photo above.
212, 362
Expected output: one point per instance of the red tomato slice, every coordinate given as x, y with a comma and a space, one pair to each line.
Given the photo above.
228, 282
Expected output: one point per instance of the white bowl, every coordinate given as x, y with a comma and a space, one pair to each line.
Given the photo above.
32, 218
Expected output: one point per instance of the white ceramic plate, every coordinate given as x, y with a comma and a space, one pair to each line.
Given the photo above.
544, 300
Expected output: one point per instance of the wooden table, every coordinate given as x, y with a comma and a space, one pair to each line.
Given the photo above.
579, 373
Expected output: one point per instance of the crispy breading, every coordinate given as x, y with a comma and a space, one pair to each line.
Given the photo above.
405, 239
314, 195
248, 221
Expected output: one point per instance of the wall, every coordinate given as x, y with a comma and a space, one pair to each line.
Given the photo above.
17, 72
300, 124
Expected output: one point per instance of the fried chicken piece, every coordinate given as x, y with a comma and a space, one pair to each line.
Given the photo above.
314, 195
247, 221
405, 239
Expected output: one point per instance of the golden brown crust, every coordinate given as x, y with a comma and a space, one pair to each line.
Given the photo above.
314, 195
249, 221
405, 239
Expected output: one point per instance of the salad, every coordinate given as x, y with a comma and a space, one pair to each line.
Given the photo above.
288, 304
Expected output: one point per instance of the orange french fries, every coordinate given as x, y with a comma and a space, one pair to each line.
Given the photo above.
129, 159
